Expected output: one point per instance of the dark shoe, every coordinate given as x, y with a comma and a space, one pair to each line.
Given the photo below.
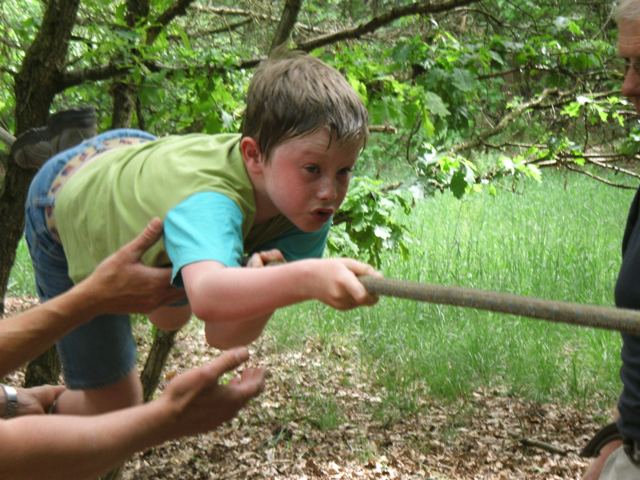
64, 130
606, 434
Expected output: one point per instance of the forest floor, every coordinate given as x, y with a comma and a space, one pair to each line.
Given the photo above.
316, 420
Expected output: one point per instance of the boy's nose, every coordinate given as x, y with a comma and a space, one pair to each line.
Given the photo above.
328, 190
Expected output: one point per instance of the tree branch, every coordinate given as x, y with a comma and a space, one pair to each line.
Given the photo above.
504, 122
600, 179
420, 8
77, 77
569, 96
102, 73
247, 13
177, 9
214, 31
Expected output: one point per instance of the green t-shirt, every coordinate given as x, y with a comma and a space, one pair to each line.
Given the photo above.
111, 199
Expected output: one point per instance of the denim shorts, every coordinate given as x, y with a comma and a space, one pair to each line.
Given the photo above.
103, 350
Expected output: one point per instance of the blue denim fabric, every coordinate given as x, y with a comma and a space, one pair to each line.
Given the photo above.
102, 351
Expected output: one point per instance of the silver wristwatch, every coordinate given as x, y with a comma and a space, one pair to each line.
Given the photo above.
11, 401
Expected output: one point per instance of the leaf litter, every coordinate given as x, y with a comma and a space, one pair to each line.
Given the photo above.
319, 418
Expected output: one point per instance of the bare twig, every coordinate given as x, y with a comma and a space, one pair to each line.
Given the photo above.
251, 15
383, 129
615, 168
504, 121
600, 179
529, 442
214, 31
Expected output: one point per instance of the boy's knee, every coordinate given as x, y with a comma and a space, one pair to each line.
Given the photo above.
124, 393
170, 318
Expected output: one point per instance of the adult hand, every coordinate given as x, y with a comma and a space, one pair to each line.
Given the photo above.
337, 284
123, 284
199, 402
261, 259
37, 400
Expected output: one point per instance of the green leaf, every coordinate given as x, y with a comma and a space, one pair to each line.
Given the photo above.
458, 184
463, 80
572, 109
435, 105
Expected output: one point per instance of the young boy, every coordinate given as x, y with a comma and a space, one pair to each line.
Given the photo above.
270, 192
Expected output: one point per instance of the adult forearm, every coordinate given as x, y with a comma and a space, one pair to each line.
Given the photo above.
30, 333
63, 447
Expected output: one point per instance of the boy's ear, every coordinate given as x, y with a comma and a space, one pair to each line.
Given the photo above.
251, 154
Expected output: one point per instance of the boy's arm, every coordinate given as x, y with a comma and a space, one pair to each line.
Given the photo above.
236, 303
121, 283
78, 447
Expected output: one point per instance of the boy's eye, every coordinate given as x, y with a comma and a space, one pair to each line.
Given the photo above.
345, 171
312, 168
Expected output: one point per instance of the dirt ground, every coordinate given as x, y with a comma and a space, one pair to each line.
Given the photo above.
319, 419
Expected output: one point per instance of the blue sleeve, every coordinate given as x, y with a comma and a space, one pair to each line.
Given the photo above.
297, 245
205, 226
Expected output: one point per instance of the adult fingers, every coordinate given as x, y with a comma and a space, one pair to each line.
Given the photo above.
46, 394
227, 361
150, 235
250, 383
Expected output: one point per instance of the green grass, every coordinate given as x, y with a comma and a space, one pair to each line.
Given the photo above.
21, 281
556, 240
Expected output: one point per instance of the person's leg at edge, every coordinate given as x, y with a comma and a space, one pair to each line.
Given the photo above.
619, 467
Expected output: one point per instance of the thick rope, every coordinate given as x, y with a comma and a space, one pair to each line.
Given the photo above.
609, 318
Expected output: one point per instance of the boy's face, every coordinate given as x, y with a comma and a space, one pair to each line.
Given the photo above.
307, 177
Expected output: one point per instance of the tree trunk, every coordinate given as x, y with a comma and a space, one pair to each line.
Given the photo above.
124, 103
35, 86
11, 221
287, 22
43, 370
156, 360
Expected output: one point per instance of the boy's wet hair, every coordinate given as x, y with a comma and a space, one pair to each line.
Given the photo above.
293, 94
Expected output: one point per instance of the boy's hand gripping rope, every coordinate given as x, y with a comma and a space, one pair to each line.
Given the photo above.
609, 318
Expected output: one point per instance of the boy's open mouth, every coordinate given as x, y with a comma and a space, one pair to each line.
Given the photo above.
323, 213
